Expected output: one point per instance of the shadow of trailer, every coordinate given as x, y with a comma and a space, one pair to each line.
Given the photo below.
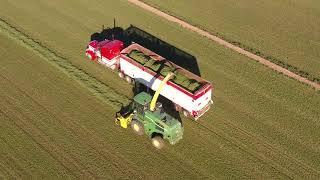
149, 41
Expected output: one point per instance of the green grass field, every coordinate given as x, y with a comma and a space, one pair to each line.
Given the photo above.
286, 30
55, 123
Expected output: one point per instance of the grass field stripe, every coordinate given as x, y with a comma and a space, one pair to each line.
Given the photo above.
226, 44
99, 89
77, 128
28, 42
274, 153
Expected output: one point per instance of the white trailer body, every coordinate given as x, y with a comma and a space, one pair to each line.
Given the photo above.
195, 105
112, 55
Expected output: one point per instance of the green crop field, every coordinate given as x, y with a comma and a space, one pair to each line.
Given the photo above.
286, 31
57, 108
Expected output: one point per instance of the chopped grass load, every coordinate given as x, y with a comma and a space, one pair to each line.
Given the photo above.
181, 79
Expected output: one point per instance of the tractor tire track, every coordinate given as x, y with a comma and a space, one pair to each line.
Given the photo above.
10, 163
224, 43
99, 89
41, 139
259, 148
10, 159
85, 136
6, 172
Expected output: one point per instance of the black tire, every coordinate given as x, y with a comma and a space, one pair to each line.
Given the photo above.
88, 56
186, 113
137, 127
121, 75
157, 142
177, 107
128, 79
113, 67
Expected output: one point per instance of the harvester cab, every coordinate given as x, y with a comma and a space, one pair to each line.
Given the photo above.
146, 116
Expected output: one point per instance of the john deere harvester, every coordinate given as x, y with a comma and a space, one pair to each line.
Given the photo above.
146, 116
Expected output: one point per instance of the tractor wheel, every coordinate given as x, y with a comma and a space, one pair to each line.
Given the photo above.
128, 79
121, 75
157, 142
137, 127
186, 113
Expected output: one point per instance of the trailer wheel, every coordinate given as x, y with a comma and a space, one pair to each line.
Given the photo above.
177, 107
128, 79
113, 67
121, 75
186, 113
137, 127
157, 142
89, 56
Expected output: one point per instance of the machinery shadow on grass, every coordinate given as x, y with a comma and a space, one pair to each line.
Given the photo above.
164, 49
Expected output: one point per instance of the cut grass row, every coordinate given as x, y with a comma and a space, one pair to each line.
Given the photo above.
271, 30
37, 128
28, 43
40, 134
51, 127
41, 137
99, 89
59, 141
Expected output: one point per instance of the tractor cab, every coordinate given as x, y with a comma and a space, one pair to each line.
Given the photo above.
141, 103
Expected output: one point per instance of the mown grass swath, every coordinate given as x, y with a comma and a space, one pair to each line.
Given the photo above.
99, 89
263, 125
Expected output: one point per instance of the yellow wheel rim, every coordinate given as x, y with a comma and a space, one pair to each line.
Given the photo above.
156, 143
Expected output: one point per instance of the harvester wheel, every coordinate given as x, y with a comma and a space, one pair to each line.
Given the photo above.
186, 113
157, 142
137, 127
128, 79
121, 75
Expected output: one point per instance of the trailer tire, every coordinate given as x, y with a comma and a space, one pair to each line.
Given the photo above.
128, 79
89, 56
113, 67
186, 113
157, 142
137, 127
177, 107
121, 75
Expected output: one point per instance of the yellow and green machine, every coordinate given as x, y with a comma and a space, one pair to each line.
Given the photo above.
146, 116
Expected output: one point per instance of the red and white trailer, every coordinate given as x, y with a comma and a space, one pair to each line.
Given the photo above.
111, 54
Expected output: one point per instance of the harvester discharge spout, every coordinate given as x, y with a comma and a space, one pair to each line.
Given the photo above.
156, 94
